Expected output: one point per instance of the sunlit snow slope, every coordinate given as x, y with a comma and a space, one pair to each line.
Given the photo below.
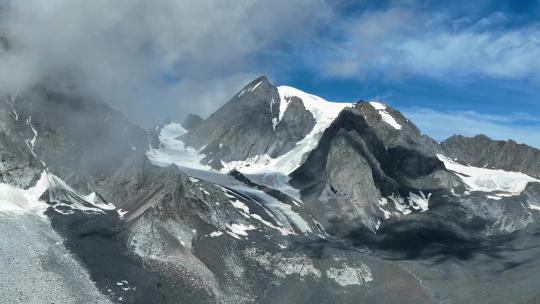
489, 180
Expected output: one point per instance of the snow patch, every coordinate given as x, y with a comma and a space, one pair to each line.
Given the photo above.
174, 151
255, 86
348, 276
383, 202
75, 201
283, 231
281, 212
121, 213
386, 117
323, 111
13, 113
124, 285
92, 198
244, 210
399, 206
282, 266
16, 201
235, 230
488, 180
275, 120
33, 140
534, 207
419, 201
215, 234
239, 205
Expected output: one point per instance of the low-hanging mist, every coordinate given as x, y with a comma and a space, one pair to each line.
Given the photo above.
150, 59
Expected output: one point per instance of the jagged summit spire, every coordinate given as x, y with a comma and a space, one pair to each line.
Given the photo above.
262, 78
259, 83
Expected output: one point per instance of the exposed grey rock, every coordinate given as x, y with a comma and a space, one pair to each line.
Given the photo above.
4, 43
192, 122
154, 133
240, 129
532, 193
409, 136
295, 124
359, 160
17, 164
78, 139
244, 126
482, 151
356, 195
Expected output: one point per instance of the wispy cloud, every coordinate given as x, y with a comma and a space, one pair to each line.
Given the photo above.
118, 49
405, 40
520, 127
161, 58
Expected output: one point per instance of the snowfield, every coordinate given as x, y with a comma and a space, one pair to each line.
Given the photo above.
15, 201
174, 151
489, 180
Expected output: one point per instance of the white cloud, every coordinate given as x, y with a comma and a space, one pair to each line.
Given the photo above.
512, 54
189, 96
369, 43
119, 48
519, 127
403, 40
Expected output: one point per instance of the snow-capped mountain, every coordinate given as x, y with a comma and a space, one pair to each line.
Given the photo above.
278, 197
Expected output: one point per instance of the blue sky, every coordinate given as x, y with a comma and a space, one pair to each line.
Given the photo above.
453, 67
462, 67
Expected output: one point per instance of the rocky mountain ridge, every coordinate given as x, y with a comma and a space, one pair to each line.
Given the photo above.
482, 151
278, 197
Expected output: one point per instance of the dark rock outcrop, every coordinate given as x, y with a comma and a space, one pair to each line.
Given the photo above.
17, 164
359, 160
192, 122
482, 151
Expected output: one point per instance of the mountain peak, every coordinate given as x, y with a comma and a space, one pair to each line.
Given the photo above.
262, 78
260, 82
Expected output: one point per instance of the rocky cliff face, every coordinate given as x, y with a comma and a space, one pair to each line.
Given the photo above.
192, 122
247, 126
73, 136
18, 166
361, 161
482, 151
